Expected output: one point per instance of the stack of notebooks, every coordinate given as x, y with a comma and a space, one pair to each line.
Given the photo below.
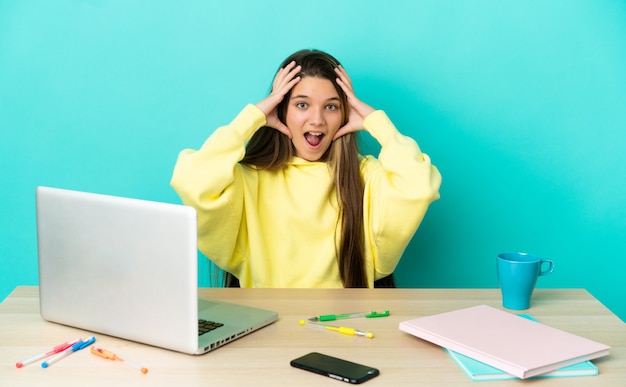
478, 371
490, 344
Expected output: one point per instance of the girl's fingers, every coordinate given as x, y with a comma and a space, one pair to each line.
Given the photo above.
358, 109
346, 88
286, 76
343, 77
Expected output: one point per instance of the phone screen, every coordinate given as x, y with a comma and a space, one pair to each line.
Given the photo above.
335, 368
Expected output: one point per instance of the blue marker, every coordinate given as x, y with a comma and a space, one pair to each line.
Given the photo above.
76, 347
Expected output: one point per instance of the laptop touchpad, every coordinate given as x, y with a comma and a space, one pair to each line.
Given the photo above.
205, 304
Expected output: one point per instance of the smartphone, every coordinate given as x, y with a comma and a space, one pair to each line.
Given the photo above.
335, 368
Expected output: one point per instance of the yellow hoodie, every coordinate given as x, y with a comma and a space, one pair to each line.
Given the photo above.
278, 228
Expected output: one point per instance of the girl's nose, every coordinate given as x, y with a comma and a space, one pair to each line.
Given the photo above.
317, 116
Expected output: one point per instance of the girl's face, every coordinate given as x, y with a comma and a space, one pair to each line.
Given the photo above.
313, 116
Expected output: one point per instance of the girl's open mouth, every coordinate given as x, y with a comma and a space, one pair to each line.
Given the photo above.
313, 138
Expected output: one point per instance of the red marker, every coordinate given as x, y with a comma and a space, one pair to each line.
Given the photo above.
76, 347
57, 349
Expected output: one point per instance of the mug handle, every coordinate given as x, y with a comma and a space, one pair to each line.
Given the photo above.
549, 269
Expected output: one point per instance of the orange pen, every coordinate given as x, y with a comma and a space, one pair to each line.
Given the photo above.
103, 353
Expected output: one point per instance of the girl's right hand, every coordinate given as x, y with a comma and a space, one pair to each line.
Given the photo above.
286, 78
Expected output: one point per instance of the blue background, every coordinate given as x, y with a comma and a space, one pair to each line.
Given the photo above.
521, 104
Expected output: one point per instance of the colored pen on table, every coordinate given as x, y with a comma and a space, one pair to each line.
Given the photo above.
111, 356
50, 352
76, 347
344, 330
332, 317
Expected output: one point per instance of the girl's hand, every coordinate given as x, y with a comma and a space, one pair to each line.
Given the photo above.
357, 110
284, 81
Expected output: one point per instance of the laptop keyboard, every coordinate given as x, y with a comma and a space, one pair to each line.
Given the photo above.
205, 326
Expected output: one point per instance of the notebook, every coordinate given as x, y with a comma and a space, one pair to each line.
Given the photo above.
128, 268
518, 346
478, 371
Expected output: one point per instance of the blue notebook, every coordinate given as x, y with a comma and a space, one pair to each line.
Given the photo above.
478, 371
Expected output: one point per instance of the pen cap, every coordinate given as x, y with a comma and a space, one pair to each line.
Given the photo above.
102, 353
84, 344
376, 314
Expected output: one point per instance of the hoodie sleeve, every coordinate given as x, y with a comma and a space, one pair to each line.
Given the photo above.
399, 187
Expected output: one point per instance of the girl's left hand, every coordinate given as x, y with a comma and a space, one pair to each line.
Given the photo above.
357, 110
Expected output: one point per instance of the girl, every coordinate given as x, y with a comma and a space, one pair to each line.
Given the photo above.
283, 197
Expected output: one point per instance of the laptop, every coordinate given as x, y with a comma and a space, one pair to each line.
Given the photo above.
129, 268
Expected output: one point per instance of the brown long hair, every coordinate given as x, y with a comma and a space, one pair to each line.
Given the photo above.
270, 149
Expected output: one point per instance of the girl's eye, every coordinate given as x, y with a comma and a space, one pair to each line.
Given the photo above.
301, 105
332, 107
